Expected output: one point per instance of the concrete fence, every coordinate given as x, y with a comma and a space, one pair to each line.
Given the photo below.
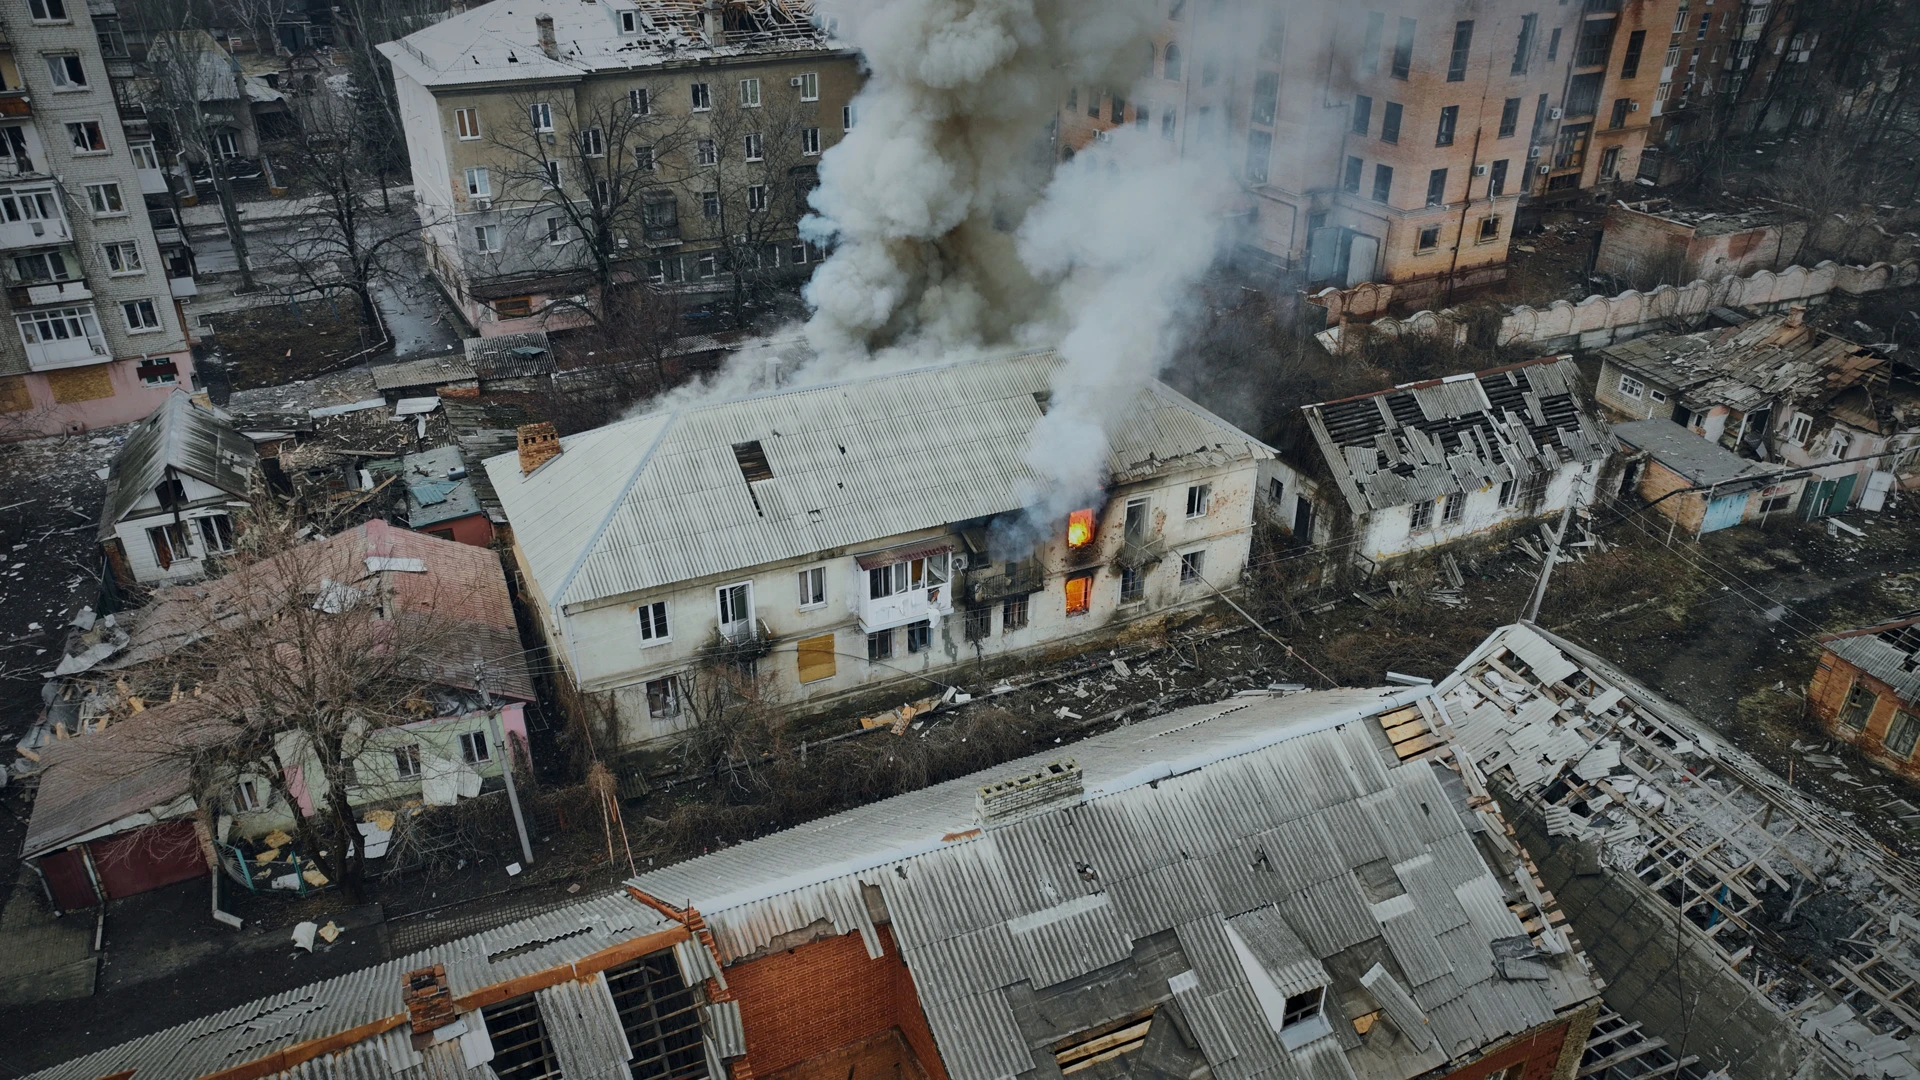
1602, 320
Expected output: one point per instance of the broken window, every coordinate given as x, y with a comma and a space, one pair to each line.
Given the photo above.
1303, 1006
880, 645
1103, 1043
1462, 48
1437, 187
1422, 516
702, 97
1350, 183
521, 1050
1489, 229
1266, 99
1370, 43
1383, 177
1198, 496
1507, 490
1509, 117
663, 697
1079, 594
1449, 124
406, 761
1859, 705
1390, 123
473, 747
1497, 184
1799, 428
1362, 114
216, 534
1275, 488
169, 543
1192, 564
1632, 387
1013, 615
1838, 446
653, 622
979, 622
661, 1019
1132, 585
1403, 49
1523, 48
1429, 238
1137, 520
813, 587
247, 795
1901, 734
1453, 508
920, 636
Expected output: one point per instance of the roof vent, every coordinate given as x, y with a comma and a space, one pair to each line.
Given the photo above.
753, 461
1056, 783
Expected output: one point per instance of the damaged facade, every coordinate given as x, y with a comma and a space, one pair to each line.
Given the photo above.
117, 784
1258, 886
1432, 463
1729, 912
1866, 690
1774, 389
1653, 242
840, 537
172, 493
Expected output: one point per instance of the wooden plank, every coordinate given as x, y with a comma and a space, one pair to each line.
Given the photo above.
1411, 747
1637, 1050
1408, 730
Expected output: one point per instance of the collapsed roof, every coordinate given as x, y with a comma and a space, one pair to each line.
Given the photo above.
1421, 440
1707, 830
185, 437
1773, 358
664, 498
1889, 652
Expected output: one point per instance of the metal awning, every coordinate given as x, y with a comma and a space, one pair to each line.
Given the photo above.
887, 557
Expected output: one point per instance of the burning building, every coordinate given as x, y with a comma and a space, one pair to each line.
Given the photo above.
859, 533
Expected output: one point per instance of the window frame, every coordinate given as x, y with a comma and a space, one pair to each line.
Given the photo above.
406, 761
1629, 386
67, 72
1193, 566
1904, 727
701, 96
101, 196
811, 585
466, 123
150, 321
656, 628
1016, 614
809, 86
87, 138
116, 251
1200, 496
749, 93
475, 748
809, 142
540, 116
663, 697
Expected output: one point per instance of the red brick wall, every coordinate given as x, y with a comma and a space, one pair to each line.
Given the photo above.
1540, 1051
1827, 695
808, 1001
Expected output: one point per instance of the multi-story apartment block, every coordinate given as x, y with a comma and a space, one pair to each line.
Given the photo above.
93, 334
559, 151
1394, 143
1718, 77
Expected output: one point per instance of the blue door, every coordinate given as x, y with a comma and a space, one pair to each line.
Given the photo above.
1724, 511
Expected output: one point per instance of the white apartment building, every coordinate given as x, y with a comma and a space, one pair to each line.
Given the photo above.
93, 335
856, 535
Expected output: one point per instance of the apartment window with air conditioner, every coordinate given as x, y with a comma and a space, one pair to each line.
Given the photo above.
467, 123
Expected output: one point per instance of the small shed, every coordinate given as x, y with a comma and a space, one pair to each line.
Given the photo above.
425, 377
171, 491
1700, 486
440, 496
522, 361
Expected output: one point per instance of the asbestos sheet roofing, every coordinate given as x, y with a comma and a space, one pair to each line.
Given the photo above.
663, 498
1242, 826
1420, 441
498, 42
1889, 652
183, 436
511, 356
1690, 456
1744, 367
574, 1015
426, 371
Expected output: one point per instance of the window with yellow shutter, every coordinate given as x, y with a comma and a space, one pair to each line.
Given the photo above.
816, 658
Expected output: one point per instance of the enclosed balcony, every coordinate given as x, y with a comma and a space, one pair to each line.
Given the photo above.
32, 217
62, 337
905, 584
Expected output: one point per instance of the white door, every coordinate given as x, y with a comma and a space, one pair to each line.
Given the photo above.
1878, 484
736, 609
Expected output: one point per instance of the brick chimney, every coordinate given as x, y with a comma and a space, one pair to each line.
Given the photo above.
544, 23
429, 1001
713, 22
1797, 315
1055, 784
538, 444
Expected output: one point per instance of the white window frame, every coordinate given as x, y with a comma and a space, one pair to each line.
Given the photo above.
644, 159
755, 146
479, 185
669, 692
1199, 500
701, 95
655, 627
749, 93
1632, 387
809, 86
756, 198
33, 325
406, 761
226, 144
474, 747
849, 115
557, 230
247, 798
540, 115
67, 78
1420, 516
144, 155
812, 584
1453, 508
1838, 443
706, 153
722, 602
1193, 566
639, 102
77, 128
629, 22
486, 239
102, 196
1799, 429
710, 204
142, 316
810, 142
593, 143
466, 123
211, 543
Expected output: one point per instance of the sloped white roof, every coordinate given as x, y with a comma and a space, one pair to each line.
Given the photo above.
498, 42
661, 498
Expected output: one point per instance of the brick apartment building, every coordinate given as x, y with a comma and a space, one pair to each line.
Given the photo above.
1394, 143
669, 138
1717, 78
1260, 886
94, 336
1866, 690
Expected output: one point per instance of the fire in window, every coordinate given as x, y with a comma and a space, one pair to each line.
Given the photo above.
1079, 593
1080, 528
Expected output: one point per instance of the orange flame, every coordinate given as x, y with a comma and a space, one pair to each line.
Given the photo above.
1079, 528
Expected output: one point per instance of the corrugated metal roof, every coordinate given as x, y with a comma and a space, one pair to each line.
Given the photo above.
1889, 653
185, 437
511, 356
662, 499
583, 1024
1690, 456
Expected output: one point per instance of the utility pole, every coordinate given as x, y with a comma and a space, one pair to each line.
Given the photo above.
499, 738
1553, 551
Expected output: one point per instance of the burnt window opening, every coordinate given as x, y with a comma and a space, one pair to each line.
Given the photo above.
1103, 1043
753, 461
521, 1050
979, 623
1043, 398
661, 1019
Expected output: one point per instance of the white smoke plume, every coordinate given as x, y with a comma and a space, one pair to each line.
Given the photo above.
951, 236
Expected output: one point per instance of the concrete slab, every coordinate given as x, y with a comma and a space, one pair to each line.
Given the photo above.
43, 958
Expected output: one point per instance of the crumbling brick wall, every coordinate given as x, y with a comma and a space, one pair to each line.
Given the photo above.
1827, 695
801, 1003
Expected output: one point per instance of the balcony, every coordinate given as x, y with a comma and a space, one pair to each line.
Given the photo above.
15, 105
33, 232
905, 585
152, 181
52, 292
1001, 581
66, 352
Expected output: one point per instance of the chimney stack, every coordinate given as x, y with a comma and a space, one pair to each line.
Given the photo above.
1055, 784
1797, 315
713, 23
429, 1002
539, 443
547, 44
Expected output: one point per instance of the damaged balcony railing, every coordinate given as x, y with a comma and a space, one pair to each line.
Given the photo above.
1001, 581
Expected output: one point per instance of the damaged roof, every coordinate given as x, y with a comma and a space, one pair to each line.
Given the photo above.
426, 371
1419, 441
135, 769
438, 485
511, 356
1677, 812
1267, 841
372, 1004
498, 42
1750, 366
185, 437
1690, 456
1889, 652
662, 498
